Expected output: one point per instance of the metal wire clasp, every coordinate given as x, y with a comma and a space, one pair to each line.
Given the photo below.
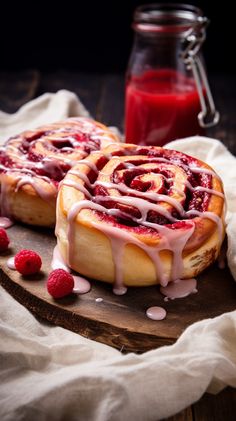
208, 115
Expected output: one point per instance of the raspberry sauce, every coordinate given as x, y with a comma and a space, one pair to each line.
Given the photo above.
161, 105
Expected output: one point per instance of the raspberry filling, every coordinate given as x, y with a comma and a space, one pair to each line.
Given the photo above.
154, 199
26, 152
150, 175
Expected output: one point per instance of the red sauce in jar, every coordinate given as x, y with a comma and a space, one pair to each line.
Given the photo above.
161, 105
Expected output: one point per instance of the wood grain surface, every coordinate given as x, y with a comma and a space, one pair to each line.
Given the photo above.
103, 96
119, 321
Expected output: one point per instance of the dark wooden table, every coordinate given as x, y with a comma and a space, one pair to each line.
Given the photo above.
103, 95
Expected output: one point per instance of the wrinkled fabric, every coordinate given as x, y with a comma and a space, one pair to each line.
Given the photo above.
48, 108
224, 163
49, 373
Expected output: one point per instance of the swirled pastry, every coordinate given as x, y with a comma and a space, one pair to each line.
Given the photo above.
33, 163
133, 215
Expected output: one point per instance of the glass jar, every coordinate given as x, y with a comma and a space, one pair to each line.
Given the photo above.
167, 92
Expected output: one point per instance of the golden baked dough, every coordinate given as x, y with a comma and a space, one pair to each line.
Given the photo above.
133, 215
33, 163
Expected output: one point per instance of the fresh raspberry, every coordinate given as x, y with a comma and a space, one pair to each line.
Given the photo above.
4, 240
27, 262
60, 283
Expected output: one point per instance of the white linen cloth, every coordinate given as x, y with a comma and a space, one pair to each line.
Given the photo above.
49, 373
42, 110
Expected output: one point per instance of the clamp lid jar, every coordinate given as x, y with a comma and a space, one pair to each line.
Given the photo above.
167, 91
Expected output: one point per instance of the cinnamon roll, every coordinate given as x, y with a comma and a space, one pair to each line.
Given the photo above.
33, 163
133, 215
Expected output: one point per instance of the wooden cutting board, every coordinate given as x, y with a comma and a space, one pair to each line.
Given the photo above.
119, 321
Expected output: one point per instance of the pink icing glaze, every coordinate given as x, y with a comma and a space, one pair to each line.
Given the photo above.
27, 177
47, 196
210, 215
203, 189
156, 313
5, 222
81, 285
89, 164
119, 290
29, 166
173, 240
179, 288
200, 170
141, 204
11, 263
57, 261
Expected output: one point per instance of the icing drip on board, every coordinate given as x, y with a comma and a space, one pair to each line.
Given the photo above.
5, 222
156, 313
57, 261
179, 288
81, 285
11, 263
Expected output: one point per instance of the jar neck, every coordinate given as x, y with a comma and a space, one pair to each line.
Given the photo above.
150, 38
152, 52
167, 20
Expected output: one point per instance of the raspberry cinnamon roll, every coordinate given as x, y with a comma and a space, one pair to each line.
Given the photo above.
33, 163
133, 215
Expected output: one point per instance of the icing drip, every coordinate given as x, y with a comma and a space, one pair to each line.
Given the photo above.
57, 261
23, 155
89, 164
179, 288
172, 240
200, 170
156, 313
81, 285
120, 290
99, 300
11, 263
209, 215
80, 187
169, 238
41, 191
5, 222
142, 205
203, 189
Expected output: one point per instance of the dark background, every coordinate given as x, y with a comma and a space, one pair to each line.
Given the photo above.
95, 36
